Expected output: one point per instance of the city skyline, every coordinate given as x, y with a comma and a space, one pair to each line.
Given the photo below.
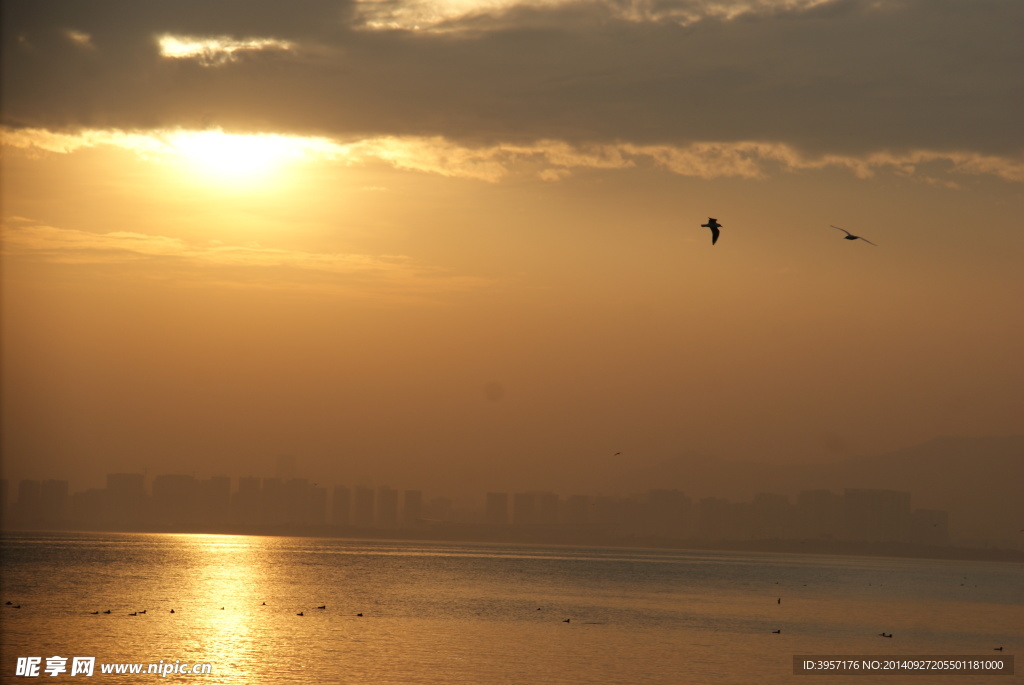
277, 505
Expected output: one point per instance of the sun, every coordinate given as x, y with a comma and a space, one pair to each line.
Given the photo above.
236, 158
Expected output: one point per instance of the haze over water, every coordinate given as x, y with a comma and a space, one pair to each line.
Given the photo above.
445, 613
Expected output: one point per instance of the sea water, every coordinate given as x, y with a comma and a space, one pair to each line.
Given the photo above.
250, 609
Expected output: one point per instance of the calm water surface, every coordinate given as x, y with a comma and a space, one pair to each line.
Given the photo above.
476, 614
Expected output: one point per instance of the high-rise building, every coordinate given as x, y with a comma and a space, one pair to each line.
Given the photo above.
341, 506
412, 508
176, 500
524, 509
247, 501
876, 515
126, 500
362, 510
577, 510
387, 507
496, 508
55, 502
28, 506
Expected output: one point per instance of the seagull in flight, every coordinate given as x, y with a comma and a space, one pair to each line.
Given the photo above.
850, 236
714, 226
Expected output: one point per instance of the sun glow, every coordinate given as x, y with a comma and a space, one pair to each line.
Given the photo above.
245, 157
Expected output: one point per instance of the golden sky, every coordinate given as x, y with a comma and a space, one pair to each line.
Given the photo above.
459, 243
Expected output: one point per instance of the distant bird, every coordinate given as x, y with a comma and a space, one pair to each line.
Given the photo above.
850, 236
300, 614
322, 607
566, 620
108, 611
134, 613
359, 614
172, 611
885, 634
94, 612
777, 632
9, 603
264, 604
997, 649
780, 600
714, 226
617, 454
143, 611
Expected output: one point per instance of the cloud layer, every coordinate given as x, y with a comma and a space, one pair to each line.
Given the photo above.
837, 77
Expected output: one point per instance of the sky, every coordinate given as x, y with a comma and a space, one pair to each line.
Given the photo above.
458, 245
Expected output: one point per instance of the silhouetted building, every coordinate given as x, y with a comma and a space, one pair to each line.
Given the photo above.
3, 502
247, 501
176, 500
28, 506
214, 503
576, 511
876, 515
274, 505
317, 505
55, 500
126, 501
387, 507
771, 517
524, 509
669, 513
341, 506
412, 508
819, 514
89, 509
362, 510
547, 508
496, 508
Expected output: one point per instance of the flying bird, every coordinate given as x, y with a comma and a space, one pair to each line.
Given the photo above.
714, 226
850, 236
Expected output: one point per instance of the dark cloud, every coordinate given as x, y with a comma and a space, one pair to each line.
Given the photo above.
848, 76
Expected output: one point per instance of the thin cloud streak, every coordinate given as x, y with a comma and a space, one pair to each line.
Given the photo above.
548, 159
372, 274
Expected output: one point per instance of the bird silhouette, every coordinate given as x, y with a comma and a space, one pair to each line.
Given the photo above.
714, 226
850, 236
777, 632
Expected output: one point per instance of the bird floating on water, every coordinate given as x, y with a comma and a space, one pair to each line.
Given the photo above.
850, 236
714, 226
